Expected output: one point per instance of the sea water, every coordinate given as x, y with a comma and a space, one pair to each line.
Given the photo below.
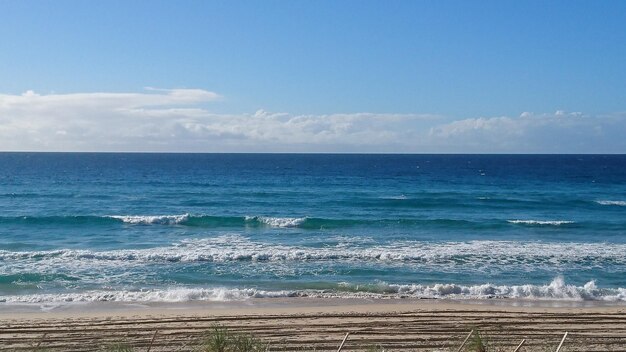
90, 227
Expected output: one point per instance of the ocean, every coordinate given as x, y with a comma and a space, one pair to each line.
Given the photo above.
125, 227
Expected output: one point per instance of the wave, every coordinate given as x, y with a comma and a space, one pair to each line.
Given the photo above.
276, 222
236, 248
186, 219
176, 219
152, 219
399, 197
555, 290
210, 221
541, 222
304, 223
163, 295
60, 219
620, 203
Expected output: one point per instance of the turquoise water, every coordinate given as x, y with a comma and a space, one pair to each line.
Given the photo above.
81, 227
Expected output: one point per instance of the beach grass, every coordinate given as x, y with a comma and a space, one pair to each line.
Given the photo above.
119, 347
221, 339
479, 343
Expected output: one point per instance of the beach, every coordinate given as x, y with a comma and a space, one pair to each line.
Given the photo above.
321, 324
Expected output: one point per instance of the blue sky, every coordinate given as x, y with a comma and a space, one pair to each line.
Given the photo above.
313, 76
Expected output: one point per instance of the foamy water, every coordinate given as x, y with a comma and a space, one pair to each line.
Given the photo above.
276, 221
621, 203
554, 291
230, 248
152, 219
200, 227
541, 222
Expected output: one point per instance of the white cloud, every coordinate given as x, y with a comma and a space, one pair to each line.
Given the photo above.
180, 120
163, 119
560, 132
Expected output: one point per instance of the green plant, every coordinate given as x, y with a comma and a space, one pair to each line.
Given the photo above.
118, 347
221, 340
216, 341
478, 343
247, 343
375, 348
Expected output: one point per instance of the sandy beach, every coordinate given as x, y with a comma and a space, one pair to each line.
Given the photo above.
314, 324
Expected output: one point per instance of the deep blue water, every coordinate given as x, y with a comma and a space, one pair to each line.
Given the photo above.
176, 227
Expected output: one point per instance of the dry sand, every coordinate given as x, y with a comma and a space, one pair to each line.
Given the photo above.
288, 324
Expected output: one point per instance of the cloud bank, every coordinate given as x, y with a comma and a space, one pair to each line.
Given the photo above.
180, 120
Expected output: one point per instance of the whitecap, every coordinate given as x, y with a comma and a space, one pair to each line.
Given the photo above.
276, 221
152, 219
541, 222
555, 290
220, 294
620, 203
480, 255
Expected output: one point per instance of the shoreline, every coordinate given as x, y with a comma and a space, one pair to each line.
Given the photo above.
289, 305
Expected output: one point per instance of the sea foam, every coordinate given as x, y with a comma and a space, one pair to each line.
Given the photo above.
478, 255
220, 294
620, 203
152, 219
277, 222
555, 290
541, 222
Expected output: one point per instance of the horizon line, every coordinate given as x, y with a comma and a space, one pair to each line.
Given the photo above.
286, 153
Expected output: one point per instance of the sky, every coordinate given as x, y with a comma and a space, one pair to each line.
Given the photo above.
313, 76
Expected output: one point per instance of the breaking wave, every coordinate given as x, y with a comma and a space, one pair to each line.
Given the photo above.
277, 222
620, 203
230, 248
186, 219
541, 222
555, 290
154, 219
211, 221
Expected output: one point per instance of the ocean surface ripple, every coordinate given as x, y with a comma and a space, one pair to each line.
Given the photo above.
94, 227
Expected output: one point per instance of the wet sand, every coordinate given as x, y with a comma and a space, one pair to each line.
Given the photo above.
320, 324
